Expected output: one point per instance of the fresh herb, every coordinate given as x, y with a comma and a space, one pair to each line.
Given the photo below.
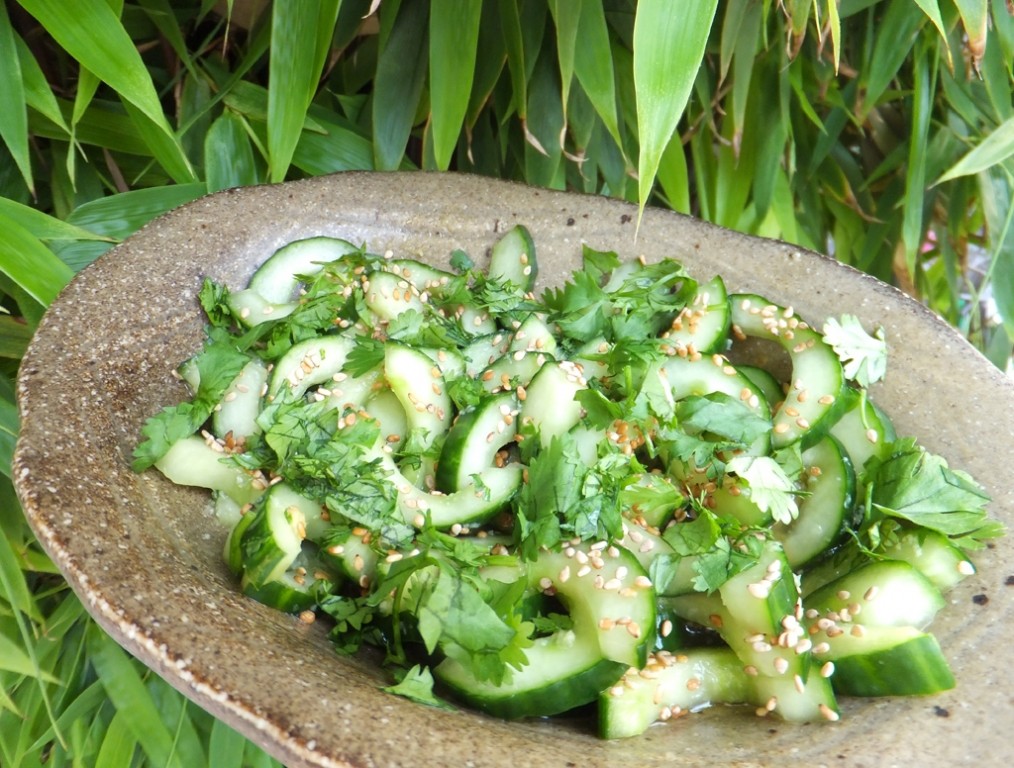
864, 357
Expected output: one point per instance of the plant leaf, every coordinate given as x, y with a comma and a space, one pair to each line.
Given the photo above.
668, 50
30, 264
398, 84
92, 33
452, 54
14, 115
990, 152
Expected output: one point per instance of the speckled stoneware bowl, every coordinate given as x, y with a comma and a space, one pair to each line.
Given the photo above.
145, 555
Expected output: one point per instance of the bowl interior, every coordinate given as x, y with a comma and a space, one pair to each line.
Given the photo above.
145, 555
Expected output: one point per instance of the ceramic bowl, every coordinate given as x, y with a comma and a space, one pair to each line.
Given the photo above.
145, 558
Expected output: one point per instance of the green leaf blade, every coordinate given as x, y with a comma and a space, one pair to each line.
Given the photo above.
668, 50
452, 54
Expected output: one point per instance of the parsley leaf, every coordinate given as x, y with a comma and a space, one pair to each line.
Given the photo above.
864, 357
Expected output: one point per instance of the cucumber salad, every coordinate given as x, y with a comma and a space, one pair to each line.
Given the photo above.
587, 499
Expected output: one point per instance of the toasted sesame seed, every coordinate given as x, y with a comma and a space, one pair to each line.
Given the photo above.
827, 713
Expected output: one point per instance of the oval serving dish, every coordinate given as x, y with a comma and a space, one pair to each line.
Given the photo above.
145, 555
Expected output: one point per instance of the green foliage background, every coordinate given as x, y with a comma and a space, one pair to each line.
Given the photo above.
881, 131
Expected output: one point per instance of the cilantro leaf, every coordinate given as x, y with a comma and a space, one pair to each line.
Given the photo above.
915, 485
723, 416
864, 357
217, 365
417, 685
770, 488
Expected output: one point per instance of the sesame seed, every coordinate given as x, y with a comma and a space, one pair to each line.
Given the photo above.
827, 670
827, 713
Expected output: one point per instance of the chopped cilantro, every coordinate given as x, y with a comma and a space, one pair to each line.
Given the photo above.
864, 357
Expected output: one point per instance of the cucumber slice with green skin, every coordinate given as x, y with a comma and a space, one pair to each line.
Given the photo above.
419, 386
815, 390
472, 443
386, 409
193, 461
351, 554
483, 351
646, 545
241, 403
549, 406
272, 290
469, 505
533, 335
674, 685
271, 542
830, 486
390, 295
862, 429
571, 667
315, 518
285, 593
765, 382
309, 363
231, 550
757, 612
513, 259
425, 278
703, 325
932, 554
511, 371
885, 661
884, 593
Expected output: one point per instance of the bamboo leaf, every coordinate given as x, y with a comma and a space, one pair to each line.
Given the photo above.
975, 18
674, 176
165, 148
834, 24
14, 115
489, 65
566, 18
593, 66
893, 43
119, 743
510, 22
38, 95
119, 216
915, 175
293, 78
932, 10
30, 264
225, 746
398, 84
14, 338
42, 225
998, 205
990, 152
129, 696
228, 156
668, 49
453, 44
14, 659
92, 33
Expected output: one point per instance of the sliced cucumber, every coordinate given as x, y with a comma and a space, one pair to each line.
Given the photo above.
862, 429
671, 685
703, 325
271, 541
192, 461
884, 593
271, 292
513, 259
886, 661
823, 512
549, 406
817, 382
309, 363
932, 554
613, 613
472, 443
236, 415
